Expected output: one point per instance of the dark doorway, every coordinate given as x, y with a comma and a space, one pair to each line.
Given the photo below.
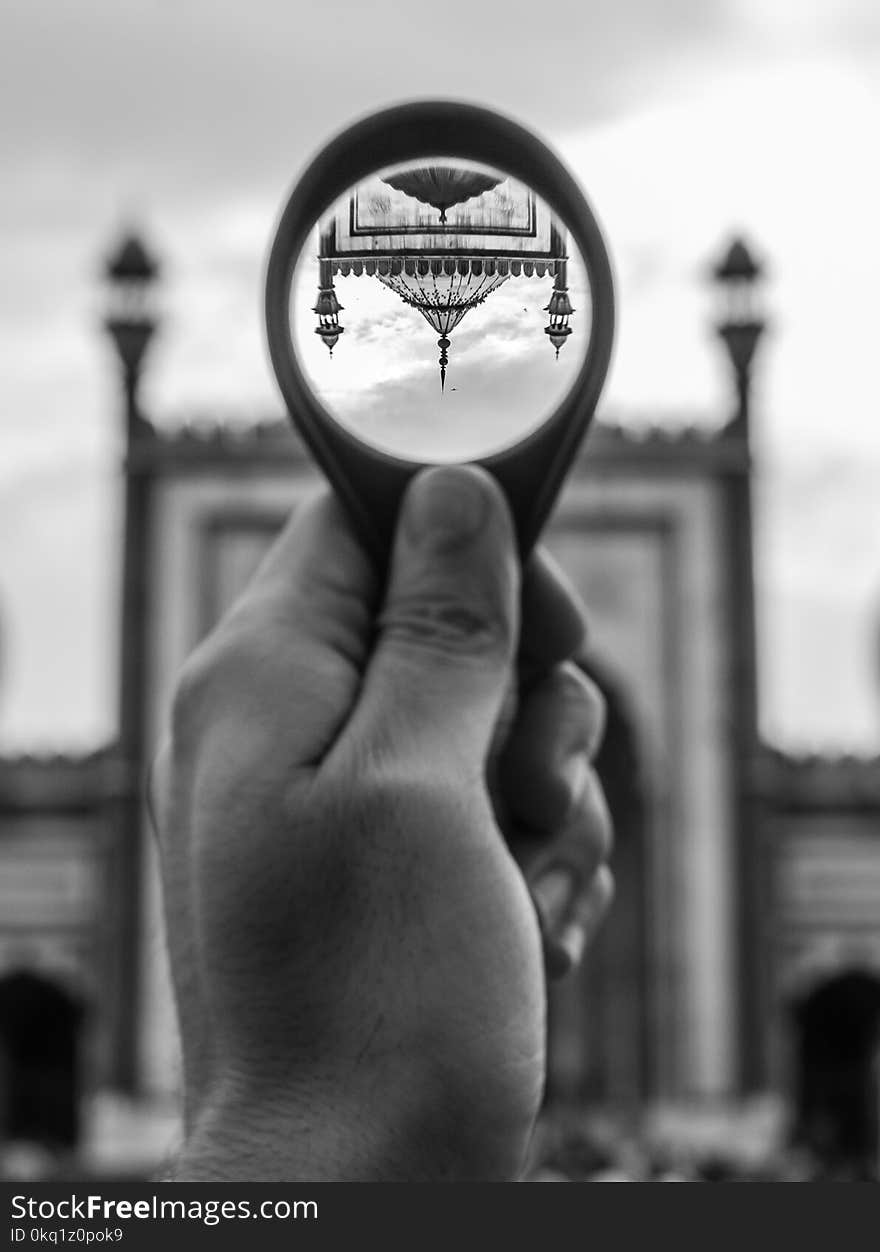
598, 1020
837, 1037
39, 1036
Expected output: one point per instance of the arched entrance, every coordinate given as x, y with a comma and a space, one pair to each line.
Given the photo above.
836, 1028
39, 1051
598, 1020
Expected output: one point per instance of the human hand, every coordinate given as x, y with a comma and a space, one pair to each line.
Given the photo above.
358, 961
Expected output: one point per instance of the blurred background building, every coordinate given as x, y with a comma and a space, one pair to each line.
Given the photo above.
743, 953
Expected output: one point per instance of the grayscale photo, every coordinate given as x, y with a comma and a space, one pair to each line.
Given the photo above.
439, 598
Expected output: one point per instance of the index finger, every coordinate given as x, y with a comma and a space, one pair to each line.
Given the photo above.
554, 622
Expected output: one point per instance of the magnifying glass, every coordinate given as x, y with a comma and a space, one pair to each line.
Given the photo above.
438, 290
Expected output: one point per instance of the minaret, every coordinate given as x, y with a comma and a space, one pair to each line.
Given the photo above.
131, 273
740, 327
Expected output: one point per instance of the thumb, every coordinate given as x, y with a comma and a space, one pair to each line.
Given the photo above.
449, 624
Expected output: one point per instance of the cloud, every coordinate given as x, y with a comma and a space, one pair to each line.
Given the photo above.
491, 401
204, 91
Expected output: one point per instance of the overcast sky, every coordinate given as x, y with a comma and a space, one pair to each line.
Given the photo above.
683, 119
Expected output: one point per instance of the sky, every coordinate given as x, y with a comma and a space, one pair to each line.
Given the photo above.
684, 121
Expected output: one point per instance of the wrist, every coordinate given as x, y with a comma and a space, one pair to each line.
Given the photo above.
321, 1135
253, 1144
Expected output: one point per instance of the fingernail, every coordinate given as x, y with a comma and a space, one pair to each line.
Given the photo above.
552, 892
575, 769
573, 942
445, 507
592, 908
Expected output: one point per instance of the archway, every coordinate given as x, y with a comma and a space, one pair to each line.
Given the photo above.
39, 1046
598, 1020
836, 1026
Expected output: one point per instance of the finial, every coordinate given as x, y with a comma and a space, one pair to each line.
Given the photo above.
557, 335
329, 334
443, 343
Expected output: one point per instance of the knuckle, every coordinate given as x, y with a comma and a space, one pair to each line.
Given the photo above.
449, 626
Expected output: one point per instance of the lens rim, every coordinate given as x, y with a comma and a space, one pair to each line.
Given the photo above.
372, 480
